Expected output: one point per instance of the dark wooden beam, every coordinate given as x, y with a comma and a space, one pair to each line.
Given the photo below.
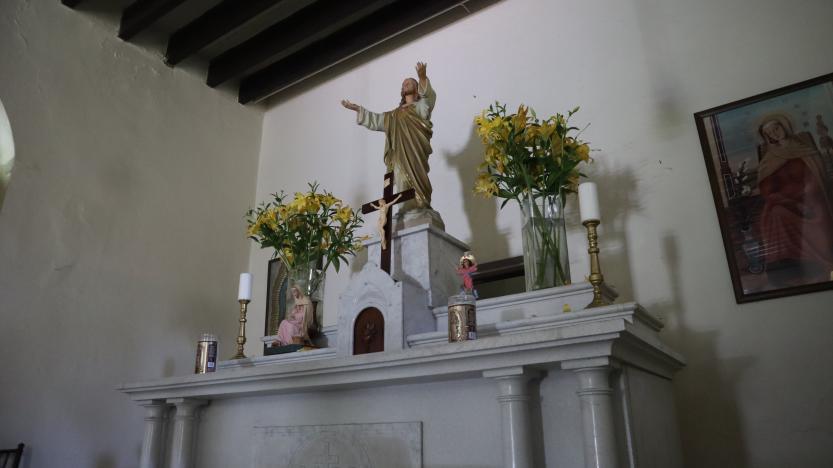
268, 46
212, 25
71, 3
351, 40
140, 14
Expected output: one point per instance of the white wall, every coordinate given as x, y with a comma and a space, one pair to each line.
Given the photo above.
121, 236
757, 391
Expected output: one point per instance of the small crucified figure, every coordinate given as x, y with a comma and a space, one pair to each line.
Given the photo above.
382, 206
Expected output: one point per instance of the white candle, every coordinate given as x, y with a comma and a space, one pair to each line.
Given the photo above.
244, 291
588, 200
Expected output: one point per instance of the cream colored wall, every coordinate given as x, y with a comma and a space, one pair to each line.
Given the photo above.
121, 236
758, 388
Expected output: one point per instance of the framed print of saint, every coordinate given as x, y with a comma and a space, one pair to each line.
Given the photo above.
770, 164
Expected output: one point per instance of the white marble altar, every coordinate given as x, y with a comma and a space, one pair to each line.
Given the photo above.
547, 383
589, 388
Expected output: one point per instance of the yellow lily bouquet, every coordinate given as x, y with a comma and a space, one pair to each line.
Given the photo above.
313, 228
527, 156
535, 162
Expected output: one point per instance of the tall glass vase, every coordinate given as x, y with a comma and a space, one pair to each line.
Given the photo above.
546, 262
309, 279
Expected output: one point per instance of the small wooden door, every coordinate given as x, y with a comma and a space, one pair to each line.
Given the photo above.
369, 332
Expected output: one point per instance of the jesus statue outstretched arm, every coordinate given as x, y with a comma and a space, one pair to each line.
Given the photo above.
366, 118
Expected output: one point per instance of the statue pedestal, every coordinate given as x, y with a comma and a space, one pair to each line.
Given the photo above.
418, 217
426, 256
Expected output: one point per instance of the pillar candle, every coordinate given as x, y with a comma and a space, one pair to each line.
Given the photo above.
244, 292
588, 200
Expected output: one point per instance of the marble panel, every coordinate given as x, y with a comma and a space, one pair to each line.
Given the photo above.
375, 445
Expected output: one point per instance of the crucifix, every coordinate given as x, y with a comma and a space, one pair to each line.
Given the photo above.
383, 206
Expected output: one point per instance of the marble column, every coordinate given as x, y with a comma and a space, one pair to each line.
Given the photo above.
184, 431
155, 415
513, 395
596, 395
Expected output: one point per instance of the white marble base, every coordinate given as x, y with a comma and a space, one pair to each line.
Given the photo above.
426, 256
402, 304
525, 305
377, 445
604, 397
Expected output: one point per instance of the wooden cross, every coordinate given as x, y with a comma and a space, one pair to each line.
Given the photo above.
390, 199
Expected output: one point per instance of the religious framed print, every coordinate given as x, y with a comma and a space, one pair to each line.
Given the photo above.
770, 164
276, 291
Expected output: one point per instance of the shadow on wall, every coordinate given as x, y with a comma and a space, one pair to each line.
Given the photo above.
481, 213
706, 385
105, 461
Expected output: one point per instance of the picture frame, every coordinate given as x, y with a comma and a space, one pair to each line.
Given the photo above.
276, 292
769, 158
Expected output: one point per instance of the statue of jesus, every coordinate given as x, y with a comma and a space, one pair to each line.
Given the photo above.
408, 131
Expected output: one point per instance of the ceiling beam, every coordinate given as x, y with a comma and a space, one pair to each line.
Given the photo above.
212, 25
271, 43
347, 42
140, 14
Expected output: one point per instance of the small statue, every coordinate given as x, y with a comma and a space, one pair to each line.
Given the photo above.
294, 329
467, 267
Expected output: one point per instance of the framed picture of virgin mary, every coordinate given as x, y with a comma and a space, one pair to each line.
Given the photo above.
770, 164
276, 296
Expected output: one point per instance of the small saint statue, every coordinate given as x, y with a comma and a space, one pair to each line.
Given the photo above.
294, 329
408, 131
465, 269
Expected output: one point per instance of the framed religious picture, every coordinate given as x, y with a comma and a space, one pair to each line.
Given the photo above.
770, 164
276, 291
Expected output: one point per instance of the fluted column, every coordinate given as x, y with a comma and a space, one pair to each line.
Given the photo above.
155, 415
513, 395
596, 395
184, 431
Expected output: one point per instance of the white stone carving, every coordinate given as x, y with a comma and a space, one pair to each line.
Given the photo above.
402, 304
376, 445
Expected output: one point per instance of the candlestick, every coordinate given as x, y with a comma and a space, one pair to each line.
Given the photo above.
588, 200
241, 334
596, 278
244, 291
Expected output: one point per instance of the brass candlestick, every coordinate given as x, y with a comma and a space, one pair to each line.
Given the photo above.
596, 278
241, 335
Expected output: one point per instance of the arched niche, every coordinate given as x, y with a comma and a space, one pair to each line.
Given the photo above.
369, 332
6, 152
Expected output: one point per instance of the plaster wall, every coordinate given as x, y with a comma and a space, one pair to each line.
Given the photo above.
121, 235
757, 390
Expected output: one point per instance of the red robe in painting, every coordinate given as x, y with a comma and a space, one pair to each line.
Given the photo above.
796, 221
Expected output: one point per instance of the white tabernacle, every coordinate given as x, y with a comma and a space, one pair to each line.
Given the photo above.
541, 387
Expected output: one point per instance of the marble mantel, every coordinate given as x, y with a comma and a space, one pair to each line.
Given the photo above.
621, 382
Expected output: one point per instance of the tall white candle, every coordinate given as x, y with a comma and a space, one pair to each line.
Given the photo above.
244, 291
588, 200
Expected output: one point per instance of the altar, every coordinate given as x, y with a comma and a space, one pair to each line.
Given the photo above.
539, 387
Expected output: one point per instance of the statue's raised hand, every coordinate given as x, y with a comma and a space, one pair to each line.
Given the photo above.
421, 70
349, 105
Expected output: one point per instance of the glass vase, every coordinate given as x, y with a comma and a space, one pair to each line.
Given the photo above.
546, 262
309, 279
